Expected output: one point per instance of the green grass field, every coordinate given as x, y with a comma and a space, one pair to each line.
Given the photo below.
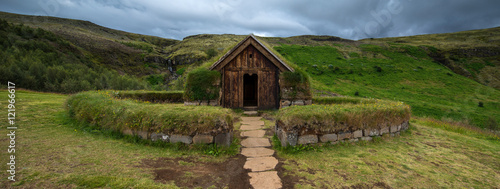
54, 151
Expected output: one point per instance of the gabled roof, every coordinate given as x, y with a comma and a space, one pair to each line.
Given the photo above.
250, 40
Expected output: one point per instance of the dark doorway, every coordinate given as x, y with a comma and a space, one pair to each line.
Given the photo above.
250, 83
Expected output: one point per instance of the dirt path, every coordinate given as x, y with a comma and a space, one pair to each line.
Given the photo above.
260, 160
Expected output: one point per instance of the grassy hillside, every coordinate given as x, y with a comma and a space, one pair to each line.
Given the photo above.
401, 72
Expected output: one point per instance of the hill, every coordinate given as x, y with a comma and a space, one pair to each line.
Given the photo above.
452, 76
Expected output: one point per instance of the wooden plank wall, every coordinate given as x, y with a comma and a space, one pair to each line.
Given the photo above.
250, 61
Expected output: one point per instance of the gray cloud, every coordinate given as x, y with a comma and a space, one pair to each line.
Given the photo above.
352, 19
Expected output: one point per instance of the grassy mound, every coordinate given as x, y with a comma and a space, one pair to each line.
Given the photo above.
346, 113
103, 109
152, 96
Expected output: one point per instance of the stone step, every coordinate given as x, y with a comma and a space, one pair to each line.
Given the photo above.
257, 152
250, 108
251, 113
243, 119
255, 142
250, 127
254, 134
265, 180
258, 164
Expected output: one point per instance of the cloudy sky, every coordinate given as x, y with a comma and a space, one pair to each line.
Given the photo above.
351, 19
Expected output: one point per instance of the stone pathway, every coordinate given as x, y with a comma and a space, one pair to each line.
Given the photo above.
260, 158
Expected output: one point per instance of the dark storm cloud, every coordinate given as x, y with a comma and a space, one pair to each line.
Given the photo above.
353, 19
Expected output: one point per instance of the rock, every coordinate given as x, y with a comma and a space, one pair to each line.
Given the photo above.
328, 138
188, 103
285, 103
353, 140
268, 179
366, 138
255, 142
213, 103
128, 132
371, 132
393, 129
257, 152
181, 138
307, 102
288, 138
357, 134
260, 164
405, 125
142, 134
159, 136
307, 139
253, 134
384, 130
345, 135
224, 139
203, 139
204, 103
298, 102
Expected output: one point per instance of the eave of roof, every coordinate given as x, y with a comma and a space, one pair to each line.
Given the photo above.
241, 43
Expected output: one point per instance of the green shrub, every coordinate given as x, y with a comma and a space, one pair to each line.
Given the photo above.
202, 84
152, 96
103, 110
344, 114
295, 85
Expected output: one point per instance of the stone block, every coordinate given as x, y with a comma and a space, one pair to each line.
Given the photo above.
213, 103
142, 134
288, 138
353, 140
384, 130
345, 135
366, 138
308, 102
399, 127
357, 134
181, 138
203, 139
159, 136
307, 139
405, 125
393, 129
189, 103
371, 132
285, 103
204, 103
128, 132
298, 102
328, 138
224, 139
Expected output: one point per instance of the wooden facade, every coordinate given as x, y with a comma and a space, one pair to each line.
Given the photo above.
250, 75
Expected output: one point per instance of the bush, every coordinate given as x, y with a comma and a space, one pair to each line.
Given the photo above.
295, 85
105, 111
344, 113
202, 84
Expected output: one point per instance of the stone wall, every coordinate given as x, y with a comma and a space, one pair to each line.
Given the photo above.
219, 138
305, 136
202, 103
286, 103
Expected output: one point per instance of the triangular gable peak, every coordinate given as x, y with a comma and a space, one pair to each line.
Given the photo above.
250, 40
